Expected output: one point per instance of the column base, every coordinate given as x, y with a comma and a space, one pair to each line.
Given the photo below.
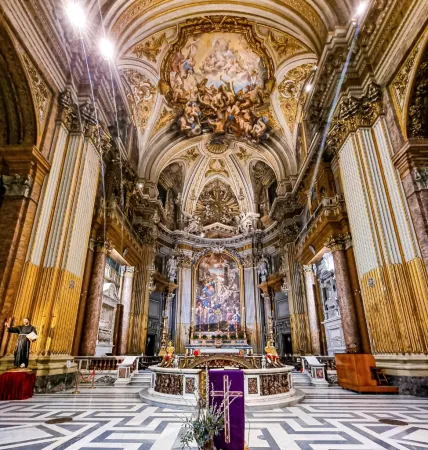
52, 373
408, 372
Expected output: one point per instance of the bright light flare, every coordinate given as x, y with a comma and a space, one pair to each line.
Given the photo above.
106, 48
76, 15
361, 9
308, 87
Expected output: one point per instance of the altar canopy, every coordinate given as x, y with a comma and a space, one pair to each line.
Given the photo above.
218, 305
228, 385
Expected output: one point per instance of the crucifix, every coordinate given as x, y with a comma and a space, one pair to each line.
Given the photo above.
227, 395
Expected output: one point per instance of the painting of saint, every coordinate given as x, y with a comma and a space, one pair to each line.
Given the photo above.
218, 294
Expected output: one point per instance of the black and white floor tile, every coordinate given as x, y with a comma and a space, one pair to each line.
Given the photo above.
328, 419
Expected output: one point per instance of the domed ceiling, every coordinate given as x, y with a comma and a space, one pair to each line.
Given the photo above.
216, 91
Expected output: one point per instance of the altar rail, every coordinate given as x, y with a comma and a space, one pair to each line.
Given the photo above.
111, 363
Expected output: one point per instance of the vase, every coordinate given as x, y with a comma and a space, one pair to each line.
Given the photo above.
209, 445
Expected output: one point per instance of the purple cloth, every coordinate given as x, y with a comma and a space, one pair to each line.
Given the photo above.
233, 436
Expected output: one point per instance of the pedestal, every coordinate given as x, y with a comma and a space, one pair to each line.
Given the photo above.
17, 385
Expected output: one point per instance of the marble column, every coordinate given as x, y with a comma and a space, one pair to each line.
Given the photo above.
94, 302
312, 311
268, 315
168, 307
128, 278
344, 294
83, 298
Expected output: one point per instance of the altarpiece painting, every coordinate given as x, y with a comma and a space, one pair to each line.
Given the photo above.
218, 294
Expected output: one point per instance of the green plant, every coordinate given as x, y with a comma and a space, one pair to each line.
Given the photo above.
224, 337
195, 336
204, 336
202, 428
241, 335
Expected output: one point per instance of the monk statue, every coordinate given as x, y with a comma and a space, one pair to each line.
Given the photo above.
27, 334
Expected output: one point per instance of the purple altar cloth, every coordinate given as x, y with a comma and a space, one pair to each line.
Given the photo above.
231, 383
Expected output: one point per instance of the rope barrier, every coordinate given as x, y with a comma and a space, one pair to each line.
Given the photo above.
90, 378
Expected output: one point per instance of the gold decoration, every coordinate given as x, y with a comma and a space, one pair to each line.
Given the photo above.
191, 155
41, 94
217, 203
290, 90
133, 12
166, 117
335, 243
139, 7
217, 146
141, 94
243, 154
354, 113
400, 83
285, 45
217, 166
150, 48
417, 126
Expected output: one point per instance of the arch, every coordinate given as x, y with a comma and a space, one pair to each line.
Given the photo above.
16, 102
416, 104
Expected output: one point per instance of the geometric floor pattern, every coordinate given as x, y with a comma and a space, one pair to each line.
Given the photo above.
329, 419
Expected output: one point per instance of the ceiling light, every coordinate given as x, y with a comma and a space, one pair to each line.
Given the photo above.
106, 48
76, 15
360, 9
140, 185
308, 87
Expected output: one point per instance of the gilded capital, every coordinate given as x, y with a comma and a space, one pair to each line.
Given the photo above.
335, 243
103, 247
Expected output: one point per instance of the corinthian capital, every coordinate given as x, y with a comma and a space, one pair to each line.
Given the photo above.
335, 243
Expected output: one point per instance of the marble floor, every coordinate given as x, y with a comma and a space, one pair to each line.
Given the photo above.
112, 418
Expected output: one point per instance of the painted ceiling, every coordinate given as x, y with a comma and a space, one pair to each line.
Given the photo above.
207, 82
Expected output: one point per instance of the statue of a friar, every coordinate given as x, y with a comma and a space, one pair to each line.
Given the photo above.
27, 334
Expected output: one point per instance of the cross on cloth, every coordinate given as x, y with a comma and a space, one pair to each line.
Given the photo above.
227, 394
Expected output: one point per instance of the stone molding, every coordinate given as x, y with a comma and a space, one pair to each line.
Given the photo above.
335, 243
16, 185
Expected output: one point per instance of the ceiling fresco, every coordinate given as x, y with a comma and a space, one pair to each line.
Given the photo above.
220, 77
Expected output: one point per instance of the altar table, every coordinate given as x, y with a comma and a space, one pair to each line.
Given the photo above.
17, 385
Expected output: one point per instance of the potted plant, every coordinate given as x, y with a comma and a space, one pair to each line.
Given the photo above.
225, 337
202, 428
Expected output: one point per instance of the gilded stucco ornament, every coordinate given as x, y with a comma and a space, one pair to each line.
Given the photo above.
141, 94
191, 155
285, 45
150, 48
354, 113
217, 167
166, 118
417, 123
41, 93
217, 203
290, 91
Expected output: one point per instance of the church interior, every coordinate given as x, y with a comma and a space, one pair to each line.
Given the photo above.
214, 204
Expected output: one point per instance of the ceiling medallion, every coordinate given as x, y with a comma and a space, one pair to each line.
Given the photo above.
217, 146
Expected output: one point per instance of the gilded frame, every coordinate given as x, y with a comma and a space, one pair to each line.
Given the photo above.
241, 287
